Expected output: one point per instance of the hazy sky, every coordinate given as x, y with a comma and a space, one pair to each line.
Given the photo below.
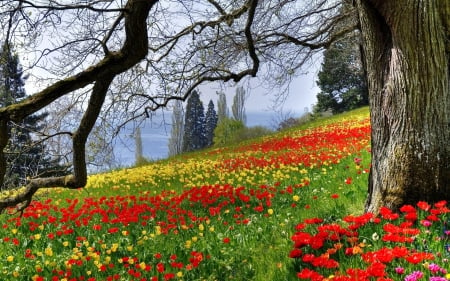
302, 93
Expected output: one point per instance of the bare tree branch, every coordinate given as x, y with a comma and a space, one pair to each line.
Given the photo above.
133, 50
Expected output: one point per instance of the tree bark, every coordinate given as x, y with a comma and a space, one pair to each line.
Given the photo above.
3, 143
406, 51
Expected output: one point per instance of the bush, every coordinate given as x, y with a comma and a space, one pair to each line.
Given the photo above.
247, 133
226, 131
293, 122
231, 131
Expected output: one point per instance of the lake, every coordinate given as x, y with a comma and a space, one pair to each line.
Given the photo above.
155, 135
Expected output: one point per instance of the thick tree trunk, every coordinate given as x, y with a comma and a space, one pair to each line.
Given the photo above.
407, 63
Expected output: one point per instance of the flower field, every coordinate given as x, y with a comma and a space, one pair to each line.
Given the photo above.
284, 207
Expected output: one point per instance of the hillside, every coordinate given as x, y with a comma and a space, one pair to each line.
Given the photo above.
283, 207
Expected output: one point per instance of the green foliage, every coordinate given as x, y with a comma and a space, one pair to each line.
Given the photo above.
341, 79
227, 131
248, 133
231, 131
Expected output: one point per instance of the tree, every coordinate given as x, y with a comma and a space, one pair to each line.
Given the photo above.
210, 123
238, 107
342, 79
227, 131
139, 155
222, 108
177, 131
405, 50
26, 157
194, 128
407, 55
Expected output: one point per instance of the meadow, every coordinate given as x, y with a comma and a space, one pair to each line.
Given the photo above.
288, 206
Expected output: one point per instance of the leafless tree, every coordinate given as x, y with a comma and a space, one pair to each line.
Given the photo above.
98, 52
238, 106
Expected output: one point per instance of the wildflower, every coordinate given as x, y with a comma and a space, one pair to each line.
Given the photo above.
426, 223
423, 205
113, 230
399, 270
48, 252
160, 267
96, 227
438, 278
270, 211
309, 274
416, 275
434, 268
142, 265
376, 269
10, 258
375, 236
295, 253
295, 198
226, 240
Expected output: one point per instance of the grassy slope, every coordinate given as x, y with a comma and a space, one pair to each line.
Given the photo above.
259, 247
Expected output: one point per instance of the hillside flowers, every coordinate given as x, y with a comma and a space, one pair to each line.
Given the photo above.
291, 198
405, 246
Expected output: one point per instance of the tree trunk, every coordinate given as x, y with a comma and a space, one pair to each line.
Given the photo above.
407, 60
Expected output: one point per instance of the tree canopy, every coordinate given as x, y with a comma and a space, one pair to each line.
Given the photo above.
341, 79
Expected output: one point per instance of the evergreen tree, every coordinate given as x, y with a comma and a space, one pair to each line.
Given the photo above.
238, 107
176, 133
222, 109
194, 132
341, 79
11, 81
25, 156
210, 123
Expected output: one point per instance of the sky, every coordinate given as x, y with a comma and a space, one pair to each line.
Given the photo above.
302, 93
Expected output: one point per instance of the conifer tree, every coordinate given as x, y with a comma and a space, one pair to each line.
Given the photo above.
194, 133
341, 79
25, 155
210, 123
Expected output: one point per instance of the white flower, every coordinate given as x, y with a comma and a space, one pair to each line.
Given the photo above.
375, 236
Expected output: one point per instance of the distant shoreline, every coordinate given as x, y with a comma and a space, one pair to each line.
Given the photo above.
155, 136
